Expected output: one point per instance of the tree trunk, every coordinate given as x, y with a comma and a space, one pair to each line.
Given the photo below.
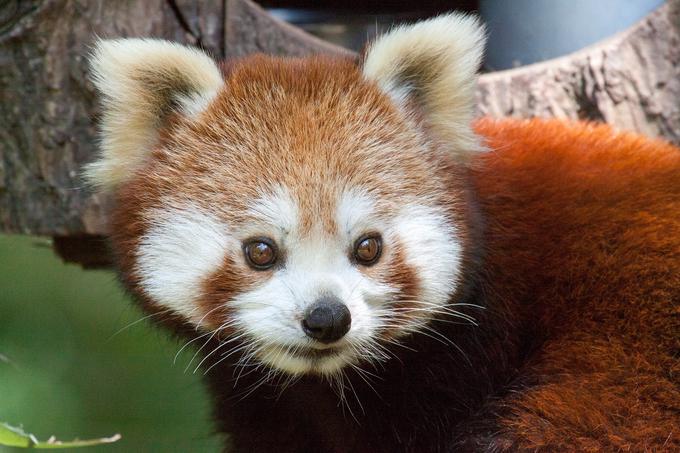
48, 110
631, 81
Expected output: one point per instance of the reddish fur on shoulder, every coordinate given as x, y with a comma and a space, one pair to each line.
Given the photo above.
587, 221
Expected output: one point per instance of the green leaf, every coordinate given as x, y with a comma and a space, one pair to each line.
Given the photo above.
12, 436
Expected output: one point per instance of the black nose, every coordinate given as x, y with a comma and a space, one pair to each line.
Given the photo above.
327, 320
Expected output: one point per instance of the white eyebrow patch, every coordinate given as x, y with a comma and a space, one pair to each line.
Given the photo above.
180, 249
354, 210
276, 208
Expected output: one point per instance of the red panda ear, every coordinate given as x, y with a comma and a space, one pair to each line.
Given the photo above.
141, 81
432, 65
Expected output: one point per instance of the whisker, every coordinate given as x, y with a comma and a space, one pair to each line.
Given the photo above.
449, 341
200, 321
360, 373
122, 329
199, 350
356, 397
226, 355
207, 356
174, 361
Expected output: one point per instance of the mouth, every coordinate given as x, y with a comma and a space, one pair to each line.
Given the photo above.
314, 354
303, 360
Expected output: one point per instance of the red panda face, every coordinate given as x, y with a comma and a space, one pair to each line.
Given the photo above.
296, 206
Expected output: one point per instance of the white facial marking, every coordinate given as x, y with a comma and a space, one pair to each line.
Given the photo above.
355, 211
433, 248
275, 211
180, 249
272, 314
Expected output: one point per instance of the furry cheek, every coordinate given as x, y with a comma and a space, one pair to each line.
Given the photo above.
424, 266
269, 313
181, 247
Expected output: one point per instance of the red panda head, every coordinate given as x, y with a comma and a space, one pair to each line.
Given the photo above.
311, 208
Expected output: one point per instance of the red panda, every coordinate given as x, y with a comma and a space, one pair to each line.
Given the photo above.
369, 269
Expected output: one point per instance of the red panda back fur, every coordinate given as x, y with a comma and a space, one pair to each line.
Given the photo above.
583, 228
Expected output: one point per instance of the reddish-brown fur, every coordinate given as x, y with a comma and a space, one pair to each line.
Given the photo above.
572, 242
584, 232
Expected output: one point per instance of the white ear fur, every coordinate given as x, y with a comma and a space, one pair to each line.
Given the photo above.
141, 81
432, 65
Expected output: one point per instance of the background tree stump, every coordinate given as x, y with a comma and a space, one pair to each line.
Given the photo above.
48, 109
631, 80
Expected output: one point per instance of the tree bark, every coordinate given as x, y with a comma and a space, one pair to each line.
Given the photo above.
631, 80
48, 109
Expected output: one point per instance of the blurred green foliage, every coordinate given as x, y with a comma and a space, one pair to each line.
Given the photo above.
65, 371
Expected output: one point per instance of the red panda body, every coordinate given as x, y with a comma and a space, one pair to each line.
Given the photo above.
583, 223
365, 270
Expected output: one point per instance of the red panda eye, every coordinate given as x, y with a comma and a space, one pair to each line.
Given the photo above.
367, 249
260, 253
